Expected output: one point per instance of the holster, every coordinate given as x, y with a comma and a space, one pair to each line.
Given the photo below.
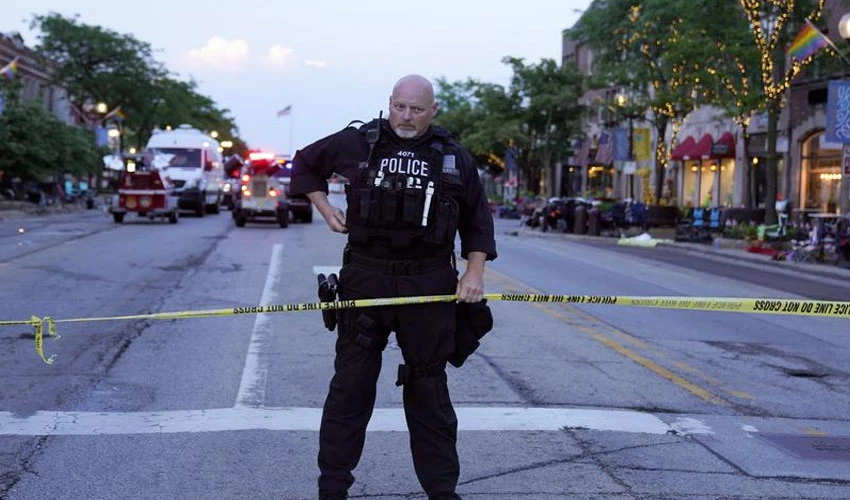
328, 287
474, 320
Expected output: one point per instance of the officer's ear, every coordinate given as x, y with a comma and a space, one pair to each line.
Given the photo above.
434, 108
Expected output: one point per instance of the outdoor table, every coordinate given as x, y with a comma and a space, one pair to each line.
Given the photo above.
822, 220
801, 215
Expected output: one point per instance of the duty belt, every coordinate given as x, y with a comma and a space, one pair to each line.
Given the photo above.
398, 267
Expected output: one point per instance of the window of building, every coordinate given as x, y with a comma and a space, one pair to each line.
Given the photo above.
820, 175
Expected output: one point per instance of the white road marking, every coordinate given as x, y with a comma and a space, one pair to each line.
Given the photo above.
252, 388
326, 270
688, 425
242, 418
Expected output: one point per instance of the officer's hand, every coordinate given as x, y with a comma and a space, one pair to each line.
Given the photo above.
470, 288
336, 220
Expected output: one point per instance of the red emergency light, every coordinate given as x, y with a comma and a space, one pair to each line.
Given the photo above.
260, 156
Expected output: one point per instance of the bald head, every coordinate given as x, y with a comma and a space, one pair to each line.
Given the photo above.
414, 83
412, 106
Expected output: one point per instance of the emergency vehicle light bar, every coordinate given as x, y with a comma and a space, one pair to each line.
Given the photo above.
260, 156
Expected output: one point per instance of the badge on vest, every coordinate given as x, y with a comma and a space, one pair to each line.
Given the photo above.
449, 166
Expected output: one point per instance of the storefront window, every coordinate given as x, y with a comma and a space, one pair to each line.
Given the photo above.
600, 181
706, 185
727, 181
689, 187
821, 175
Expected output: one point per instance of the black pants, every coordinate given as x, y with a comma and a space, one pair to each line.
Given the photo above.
425, 334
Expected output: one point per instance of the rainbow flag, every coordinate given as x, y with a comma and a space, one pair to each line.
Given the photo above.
807, 42
116, 113
10, 69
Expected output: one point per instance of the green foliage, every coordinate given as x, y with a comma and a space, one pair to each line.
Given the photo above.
98, 65
175, 102
34, 145
538, 115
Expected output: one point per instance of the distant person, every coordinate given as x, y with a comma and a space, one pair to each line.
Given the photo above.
412, 188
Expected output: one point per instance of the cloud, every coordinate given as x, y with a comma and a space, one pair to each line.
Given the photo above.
220, 53
315, 64
279, 56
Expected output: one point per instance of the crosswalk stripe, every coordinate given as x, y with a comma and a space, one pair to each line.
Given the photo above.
241, 418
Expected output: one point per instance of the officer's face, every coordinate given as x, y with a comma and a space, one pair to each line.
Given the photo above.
412, 108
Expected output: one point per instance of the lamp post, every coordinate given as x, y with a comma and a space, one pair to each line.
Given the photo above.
94, 113
622, 103
774, 105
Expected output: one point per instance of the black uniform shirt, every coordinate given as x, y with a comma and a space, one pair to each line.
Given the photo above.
342, 152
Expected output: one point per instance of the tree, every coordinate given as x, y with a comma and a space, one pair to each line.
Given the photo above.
631, 42
729, 77
35, 145
99, 65
481, 116
548, 103
779, 17
537, 115
175, 102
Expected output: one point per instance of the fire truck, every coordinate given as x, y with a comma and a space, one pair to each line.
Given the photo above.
145, 192
260, 195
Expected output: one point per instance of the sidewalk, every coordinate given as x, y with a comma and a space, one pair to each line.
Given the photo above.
16, 210
728, 251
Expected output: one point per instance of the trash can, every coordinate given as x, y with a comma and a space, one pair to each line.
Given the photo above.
580, 219
593, 221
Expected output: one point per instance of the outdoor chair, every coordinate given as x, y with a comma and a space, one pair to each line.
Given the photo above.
697, 228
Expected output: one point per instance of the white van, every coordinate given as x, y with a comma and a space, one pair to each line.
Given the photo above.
193, 164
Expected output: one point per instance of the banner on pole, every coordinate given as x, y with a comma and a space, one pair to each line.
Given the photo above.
642, 143
838, 112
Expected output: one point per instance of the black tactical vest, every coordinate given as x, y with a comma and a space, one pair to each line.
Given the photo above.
398, 201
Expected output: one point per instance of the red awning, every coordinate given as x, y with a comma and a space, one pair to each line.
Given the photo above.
724, 147
683, 149
702, 149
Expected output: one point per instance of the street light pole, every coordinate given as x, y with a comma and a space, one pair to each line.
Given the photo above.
774, 106
622, 102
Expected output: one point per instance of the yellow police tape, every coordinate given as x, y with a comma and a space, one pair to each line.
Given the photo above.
821, 308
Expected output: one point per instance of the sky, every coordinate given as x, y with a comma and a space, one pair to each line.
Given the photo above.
332, 61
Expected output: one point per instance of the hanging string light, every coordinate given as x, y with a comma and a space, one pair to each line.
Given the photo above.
778, 13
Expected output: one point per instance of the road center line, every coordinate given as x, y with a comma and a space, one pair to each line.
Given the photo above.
599, 336
243, 418
252, 388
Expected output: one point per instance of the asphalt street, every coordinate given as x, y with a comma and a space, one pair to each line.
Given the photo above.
579, 401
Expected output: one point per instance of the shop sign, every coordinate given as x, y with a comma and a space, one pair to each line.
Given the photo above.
838, 111
719, 149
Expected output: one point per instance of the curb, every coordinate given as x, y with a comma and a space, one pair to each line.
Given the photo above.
837, 275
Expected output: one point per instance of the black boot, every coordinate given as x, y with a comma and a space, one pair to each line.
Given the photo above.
333, 495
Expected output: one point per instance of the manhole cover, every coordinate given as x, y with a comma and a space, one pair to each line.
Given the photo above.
812, 447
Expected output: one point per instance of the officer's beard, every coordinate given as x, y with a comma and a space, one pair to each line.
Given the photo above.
406, 133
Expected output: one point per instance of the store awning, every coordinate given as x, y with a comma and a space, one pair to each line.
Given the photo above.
683, 149
724, 147
702, 150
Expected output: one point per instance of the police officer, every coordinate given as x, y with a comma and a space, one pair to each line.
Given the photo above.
411, 189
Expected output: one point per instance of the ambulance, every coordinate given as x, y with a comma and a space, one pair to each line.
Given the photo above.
192, 162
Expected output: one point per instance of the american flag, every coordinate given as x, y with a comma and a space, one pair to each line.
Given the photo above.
285, 111
605, 149
583, 152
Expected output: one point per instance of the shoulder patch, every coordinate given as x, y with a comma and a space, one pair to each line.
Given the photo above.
450, 165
